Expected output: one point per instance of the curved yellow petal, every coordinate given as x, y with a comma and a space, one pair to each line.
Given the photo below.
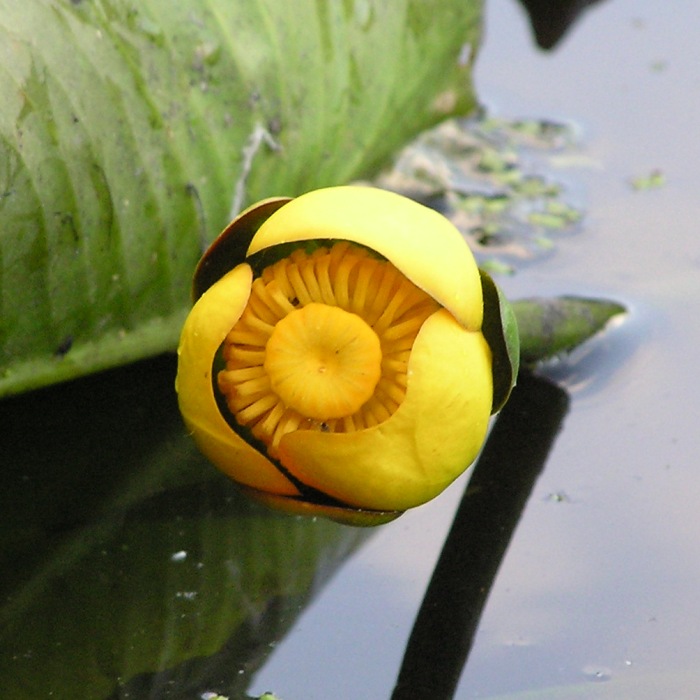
428, 442
211, 318
421, 243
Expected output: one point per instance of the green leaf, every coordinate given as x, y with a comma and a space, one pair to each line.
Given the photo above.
130, 131
551, 327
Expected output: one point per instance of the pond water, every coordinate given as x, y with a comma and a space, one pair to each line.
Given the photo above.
111, 577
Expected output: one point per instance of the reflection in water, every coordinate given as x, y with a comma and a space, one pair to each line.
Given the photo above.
496, 493
132, 568
551, 19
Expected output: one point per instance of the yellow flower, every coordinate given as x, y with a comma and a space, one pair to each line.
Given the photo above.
334, 362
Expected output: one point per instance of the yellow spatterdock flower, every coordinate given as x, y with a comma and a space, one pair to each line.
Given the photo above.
335, 361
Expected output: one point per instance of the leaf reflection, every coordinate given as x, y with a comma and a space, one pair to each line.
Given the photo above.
132, 568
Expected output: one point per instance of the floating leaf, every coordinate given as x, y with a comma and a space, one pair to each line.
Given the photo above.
555, 215
652, 181
551, 327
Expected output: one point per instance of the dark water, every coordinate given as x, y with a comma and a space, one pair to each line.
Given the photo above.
126, 569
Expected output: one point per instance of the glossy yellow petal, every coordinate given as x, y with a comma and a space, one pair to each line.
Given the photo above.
421, 243
211, 318
428, 442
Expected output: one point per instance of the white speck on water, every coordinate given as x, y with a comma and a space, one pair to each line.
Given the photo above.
597, 673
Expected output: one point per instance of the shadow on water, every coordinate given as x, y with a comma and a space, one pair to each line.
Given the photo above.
496, 494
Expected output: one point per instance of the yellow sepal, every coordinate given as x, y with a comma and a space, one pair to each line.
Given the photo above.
421, 243
427, 443
210, 320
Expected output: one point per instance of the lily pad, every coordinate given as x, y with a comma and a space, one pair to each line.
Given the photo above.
550, 327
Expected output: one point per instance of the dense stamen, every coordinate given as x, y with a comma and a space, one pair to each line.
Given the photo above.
323, 344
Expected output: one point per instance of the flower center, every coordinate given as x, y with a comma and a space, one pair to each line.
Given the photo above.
323, 361
323, 344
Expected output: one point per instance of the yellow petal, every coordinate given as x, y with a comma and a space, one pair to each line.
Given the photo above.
428, 442
211, 318
421, 243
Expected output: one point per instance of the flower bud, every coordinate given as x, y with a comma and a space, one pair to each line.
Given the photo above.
339, 357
